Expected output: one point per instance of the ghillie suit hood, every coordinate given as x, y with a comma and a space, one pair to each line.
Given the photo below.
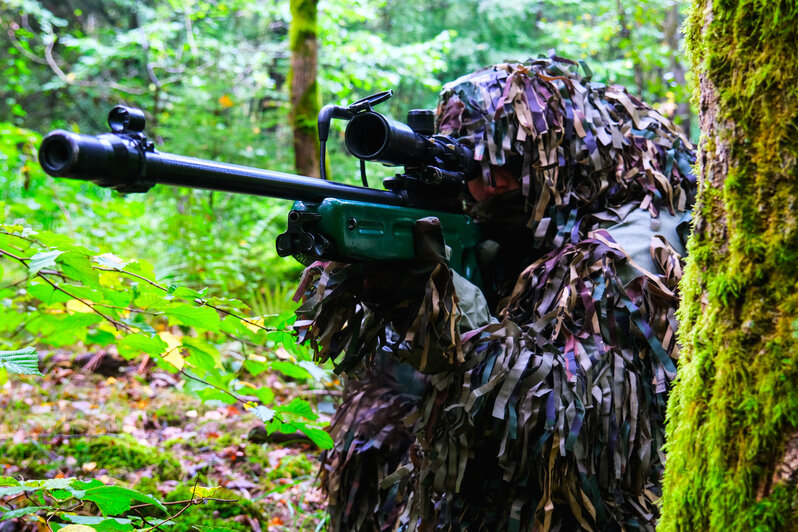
575, 144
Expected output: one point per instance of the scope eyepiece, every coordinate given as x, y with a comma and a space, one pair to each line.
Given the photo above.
371, 136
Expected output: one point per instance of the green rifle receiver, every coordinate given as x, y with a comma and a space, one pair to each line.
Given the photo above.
328, 221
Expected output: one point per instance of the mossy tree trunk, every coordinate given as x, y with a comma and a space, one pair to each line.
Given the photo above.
733, 414
303, 86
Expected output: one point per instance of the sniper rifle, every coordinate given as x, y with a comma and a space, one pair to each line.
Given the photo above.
329, 220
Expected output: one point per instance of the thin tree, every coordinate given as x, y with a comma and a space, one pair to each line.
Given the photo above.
303, 85
733, 414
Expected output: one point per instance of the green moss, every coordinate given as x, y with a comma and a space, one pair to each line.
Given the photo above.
292, 466
120, 453
32, 458
735, 402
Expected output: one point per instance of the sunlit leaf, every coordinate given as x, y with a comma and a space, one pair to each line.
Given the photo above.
201, 317
21, 362
44, 259
133, 345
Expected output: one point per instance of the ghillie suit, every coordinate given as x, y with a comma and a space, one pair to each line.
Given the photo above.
549, 416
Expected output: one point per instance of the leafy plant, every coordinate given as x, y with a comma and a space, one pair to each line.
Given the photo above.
60, 498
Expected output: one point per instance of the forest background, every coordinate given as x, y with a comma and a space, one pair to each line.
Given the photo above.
146, 362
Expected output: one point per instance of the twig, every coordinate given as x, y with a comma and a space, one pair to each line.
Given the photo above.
244, 399
118, 325
197, 301
191, 501
48, 55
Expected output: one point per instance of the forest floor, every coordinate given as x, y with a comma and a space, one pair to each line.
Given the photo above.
136, 427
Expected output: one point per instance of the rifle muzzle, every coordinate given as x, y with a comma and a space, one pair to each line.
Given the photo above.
106, 160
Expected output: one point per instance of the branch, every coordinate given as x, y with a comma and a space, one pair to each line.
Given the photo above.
197, 301
243, 399
118, 325
48, 54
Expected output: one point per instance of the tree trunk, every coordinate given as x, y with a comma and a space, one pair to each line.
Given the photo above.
733, 414
304, 89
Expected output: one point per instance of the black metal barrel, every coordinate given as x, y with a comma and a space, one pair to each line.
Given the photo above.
121, 162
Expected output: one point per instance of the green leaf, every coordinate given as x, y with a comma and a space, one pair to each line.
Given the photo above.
147, 299
204, 355
41, 260
265, 394
102, 523
114, 500
134, 344
289, 369
22, 512
186, 293
298, 407
256, 367
199, 317
318, 436
45, 293
316, 372
200, 359
21, 362
78, 266
264, 414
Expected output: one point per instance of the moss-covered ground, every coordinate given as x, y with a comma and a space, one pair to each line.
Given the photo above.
143, 432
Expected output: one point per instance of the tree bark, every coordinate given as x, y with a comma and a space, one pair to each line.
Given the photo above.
303, 86
733, 414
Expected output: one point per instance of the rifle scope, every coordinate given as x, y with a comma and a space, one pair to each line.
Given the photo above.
371, 136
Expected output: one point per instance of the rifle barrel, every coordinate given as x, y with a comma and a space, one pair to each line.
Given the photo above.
115, 161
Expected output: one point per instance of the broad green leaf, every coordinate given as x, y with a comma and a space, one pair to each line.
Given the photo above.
199, 317
318, 436
134, 344
45, 293
147, 299
21, 362
102, 523
212, 394
289, 369
208, 355
299, 407
78, 267
186, 293
200, 359
114, 500
204, 492
318, 373
101, 338
265, 394
264, 414
22, 512
256, 367
42, 260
